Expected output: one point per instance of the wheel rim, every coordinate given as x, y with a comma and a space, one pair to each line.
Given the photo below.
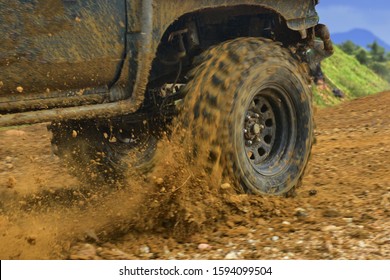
270, 131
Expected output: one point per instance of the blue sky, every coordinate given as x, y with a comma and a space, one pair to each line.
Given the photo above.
344, 15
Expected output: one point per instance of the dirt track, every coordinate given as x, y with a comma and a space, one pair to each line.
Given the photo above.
341, 212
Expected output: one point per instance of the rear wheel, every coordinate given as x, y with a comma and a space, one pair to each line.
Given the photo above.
249, 108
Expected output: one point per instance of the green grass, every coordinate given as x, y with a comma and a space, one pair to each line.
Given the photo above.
346, 73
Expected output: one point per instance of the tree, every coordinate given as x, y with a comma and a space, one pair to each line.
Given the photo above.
349, 47
388, 56
380, 69
362, 56
377, 52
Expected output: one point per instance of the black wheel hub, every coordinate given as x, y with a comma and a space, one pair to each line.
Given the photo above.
269, 131
260, 130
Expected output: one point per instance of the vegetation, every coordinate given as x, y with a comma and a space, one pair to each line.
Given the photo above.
375, 57
346, 71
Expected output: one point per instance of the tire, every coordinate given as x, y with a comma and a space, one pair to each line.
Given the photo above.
249, 108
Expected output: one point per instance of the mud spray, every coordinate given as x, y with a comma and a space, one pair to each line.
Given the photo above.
177, 198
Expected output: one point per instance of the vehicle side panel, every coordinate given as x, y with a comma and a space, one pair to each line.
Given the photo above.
50, 45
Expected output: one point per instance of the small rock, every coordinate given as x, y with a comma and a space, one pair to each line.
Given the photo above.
8, 159
225, 186
144, 249
231, 256
204, 246
300, 212
159, 181
19, 89
74, 133
275, 238
348, 220
330, 228
286, 223
166, 250
1, 84
312, 192
362, 244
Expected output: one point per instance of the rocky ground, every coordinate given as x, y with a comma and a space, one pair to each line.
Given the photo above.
342, 211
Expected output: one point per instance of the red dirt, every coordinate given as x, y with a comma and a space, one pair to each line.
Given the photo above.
340, 212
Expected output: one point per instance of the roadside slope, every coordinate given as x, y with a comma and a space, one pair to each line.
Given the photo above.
344, 72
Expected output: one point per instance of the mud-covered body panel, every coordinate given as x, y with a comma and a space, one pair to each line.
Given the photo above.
167, 11
60, 44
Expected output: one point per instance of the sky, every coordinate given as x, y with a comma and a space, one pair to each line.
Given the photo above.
344, 15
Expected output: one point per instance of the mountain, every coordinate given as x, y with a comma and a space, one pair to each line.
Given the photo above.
360, 37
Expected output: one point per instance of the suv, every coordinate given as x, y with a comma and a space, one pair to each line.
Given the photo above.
111, 74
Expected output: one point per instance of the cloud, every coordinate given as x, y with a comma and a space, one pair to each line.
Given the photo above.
341, 18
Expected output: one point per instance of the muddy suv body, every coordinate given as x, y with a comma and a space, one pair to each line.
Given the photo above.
126, 61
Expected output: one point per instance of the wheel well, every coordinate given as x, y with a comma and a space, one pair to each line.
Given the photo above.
195, 32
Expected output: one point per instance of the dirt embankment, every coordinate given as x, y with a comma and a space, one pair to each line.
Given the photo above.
341, 211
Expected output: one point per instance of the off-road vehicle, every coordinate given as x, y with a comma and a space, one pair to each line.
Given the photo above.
112, 74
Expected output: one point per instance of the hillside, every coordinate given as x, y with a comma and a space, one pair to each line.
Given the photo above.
343, 71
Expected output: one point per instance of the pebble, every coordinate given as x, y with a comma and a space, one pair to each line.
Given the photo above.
225, 186
166, 250
252, 241
362, 244
300, 212
231, 256
312, 192
19, 89
8, 159
144, 249
204, 246
330, 228
348, 220
159, 181
286, 223
275, 238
